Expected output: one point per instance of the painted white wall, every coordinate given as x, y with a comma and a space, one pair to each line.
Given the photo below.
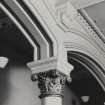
16, 87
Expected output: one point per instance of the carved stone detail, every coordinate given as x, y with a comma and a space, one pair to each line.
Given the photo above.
65, 13
68, 16
50, 83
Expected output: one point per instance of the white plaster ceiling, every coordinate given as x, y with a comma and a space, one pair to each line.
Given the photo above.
97, 13
84, 3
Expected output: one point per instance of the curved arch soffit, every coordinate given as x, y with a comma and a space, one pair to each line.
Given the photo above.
94, 68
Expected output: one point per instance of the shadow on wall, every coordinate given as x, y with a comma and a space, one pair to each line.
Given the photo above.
69, 97
4, 86
16, 87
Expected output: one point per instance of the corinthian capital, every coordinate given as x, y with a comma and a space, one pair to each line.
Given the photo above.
50, 83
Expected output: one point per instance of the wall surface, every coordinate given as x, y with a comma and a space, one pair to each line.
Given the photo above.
16, 87
70, 98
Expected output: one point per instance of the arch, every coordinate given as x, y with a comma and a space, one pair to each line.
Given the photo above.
94, 68
30, 26
25, 33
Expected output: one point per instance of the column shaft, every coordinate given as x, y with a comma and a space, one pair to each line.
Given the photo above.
51, 100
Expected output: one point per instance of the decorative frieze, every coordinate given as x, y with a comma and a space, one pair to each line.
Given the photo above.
50, 83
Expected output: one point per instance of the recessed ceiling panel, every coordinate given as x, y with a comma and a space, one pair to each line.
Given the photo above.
78, 4
97, 14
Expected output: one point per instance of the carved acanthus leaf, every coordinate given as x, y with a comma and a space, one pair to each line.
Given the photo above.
50, 83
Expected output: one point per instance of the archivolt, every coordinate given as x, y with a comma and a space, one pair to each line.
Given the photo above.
21, 15
93, 67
